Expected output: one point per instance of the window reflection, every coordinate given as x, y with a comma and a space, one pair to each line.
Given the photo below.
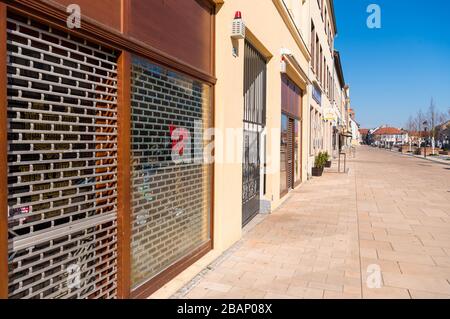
171, 202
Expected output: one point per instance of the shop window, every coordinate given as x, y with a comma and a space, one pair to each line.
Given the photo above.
171, 183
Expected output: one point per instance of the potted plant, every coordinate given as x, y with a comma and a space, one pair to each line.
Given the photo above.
319, 164
327, 160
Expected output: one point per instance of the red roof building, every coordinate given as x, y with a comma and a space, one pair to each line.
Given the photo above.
389, 136
363, 131
388, 131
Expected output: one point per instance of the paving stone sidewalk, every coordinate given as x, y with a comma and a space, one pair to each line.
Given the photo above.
389, 212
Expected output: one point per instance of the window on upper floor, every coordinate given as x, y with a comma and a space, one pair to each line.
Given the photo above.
320, 77
317, 63
324, 72
328, 34
329, 83
322, 6
313, 44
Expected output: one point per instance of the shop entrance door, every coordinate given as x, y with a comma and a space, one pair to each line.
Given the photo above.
290, 154
254, 123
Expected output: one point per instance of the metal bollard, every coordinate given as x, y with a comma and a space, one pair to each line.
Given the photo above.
345, 162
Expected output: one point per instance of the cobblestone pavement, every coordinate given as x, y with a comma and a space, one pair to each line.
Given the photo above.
390, 212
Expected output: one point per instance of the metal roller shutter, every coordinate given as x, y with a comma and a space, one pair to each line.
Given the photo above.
171, 201
62, 173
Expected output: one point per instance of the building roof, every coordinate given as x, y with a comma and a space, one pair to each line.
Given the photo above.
333, 15
444, 125
338, 64
388, 131
364, 130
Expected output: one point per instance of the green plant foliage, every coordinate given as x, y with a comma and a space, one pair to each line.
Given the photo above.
321, 159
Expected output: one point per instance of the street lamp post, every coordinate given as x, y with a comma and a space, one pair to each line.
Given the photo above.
425, 127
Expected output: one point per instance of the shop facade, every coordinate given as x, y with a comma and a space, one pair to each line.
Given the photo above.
105, 189
269, 120
130, 154
291, 136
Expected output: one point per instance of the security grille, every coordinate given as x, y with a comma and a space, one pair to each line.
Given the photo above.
255, 69
62, 174
255, 82
251, 183
290, 154
171, 202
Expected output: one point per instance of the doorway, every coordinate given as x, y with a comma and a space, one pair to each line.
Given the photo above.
290, 151
254, 123
289, 154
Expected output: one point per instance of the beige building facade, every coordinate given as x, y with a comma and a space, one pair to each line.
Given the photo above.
276, 32
304, 101
294, 40
203, 126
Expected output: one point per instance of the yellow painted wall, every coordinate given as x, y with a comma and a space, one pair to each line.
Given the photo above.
269, 33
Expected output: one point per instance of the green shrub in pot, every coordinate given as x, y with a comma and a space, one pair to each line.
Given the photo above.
319, 161
327, 159
319, 164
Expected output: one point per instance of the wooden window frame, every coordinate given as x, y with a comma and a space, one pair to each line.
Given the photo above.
321, 66
324, 72
317, 56
3, 159
313, 46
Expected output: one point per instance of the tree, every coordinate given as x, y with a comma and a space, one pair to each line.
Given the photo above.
432, 118
418, 124
411, 124
419, 120
435, 120
411, 128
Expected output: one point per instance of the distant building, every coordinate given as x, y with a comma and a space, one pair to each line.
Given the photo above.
388, 136
417, 137
443, 135
364, 133
356, 137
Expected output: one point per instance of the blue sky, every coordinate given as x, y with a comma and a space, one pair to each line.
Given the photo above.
394, 71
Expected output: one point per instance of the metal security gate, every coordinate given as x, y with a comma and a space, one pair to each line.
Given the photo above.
251, 175
290, 154
254, 122
171, 199
62, 157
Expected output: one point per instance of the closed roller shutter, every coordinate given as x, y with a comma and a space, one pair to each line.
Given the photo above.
62, 174
171, 200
